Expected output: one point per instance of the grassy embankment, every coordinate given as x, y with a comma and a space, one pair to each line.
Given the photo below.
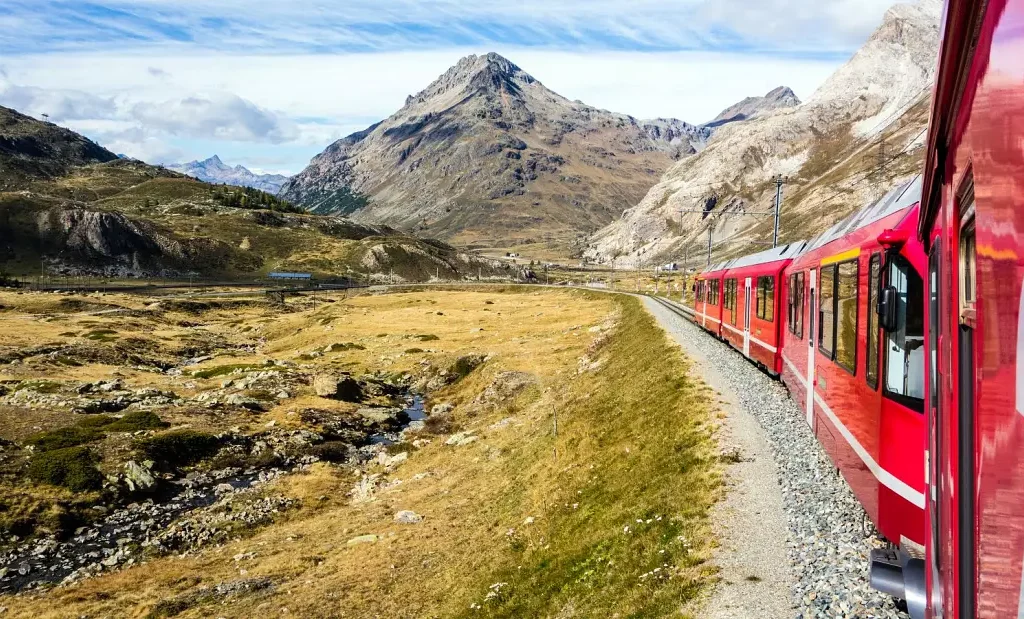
608, 516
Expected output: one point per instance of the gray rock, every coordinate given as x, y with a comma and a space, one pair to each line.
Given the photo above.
362, 539
407, 516
343, 388
138, 477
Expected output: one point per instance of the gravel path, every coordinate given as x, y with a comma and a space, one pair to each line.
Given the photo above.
828, 537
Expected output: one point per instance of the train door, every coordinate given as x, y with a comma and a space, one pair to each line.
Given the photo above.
812, 323
746, 317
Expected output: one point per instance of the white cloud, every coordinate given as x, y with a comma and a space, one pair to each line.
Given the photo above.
311, 100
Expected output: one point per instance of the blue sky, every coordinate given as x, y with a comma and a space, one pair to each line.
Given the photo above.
268, 84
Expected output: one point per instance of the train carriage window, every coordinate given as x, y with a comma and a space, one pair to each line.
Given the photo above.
714, 292
796, 304
826, 311
874, 272
847, 288
904, 350
766, 298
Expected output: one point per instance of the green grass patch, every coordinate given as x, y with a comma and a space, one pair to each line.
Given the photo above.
39, 386
179, 447
64, 437
137, 420
221, 370
101, 335
73, 468
626, 529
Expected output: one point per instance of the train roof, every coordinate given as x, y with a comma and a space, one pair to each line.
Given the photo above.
784, 252
899, 198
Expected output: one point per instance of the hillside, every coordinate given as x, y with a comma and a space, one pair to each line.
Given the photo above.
34, 149
213, 170
487, 154
70, 207
857, 136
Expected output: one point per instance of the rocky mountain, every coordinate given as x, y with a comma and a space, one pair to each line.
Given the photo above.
75, 208
752, 106
856, 137
30, 148
213, 170
487, 153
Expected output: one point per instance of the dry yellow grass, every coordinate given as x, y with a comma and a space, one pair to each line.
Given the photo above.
608, 516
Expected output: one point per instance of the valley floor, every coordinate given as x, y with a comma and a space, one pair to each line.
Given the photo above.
567, 463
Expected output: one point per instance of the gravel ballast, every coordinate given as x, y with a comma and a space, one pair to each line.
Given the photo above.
829, 535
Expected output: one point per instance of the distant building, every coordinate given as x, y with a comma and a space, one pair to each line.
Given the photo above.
287, 275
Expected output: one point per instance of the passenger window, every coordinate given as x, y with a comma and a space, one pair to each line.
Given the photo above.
874, 271
798, 308
826, 311
766, 298
846, 315
904, 351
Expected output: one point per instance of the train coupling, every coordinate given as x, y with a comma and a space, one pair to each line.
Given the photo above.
900, 575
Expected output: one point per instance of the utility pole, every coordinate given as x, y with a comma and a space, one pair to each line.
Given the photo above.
709, 245
778, 207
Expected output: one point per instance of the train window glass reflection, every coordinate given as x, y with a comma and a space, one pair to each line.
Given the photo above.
766, 298
826, 310
846, 315
904, 351
874, 270
795, 315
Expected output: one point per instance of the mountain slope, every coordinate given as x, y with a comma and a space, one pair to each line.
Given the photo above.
30, 148
487, 152
858, 135
75, 208
213, 170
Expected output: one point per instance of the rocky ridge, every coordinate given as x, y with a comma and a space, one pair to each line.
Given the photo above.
213, 170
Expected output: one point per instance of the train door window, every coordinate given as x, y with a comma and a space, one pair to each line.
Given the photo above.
904, 350
871, 365
732, 299
766, 298
934, 460
826, 311
966, 339
847, 289
714, 292
799, 318
795, 315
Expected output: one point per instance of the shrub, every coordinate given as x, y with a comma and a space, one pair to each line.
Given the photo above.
96, 421
180, 447
137, 420
427, 337
413, 351
331, 451
73, 468
61, 438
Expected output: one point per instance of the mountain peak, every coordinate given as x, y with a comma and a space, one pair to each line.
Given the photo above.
489, 73
780, 97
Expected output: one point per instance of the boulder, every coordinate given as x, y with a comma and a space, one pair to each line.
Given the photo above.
407, 516
343, 388
362, 539
138, 478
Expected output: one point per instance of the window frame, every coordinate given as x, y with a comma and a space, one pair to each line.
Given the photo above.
873, 352
856, 316
796, 304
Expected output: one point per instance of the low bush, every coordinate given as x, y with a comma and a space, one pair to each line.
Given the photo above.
72, 467
95, 421
61, 438
179, 447
137, 420
427, 337
331, 451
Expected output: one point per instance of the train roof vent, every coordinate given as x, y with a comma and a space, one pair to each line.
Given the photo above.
903, 196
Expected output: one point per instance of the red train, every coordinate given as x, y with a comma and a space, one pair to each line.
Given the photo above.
902, 335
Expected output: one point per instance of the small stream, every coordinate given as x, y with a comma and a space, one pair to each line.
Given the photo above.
120, 537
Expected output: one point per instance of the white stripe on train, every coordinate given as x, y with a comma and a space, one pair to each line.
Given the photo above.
883, 476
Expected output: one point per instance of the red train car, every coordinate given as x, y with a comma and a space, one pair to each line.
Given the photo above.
972, 225
752, 305
707, 298
860, 381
